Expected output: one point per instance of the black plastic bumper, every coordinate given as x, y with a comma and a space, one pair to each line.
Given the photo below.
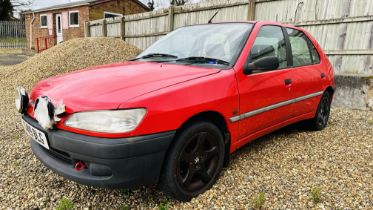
118, 162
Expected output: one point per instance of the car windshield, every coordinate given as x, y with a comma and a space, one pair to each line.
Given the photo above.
210, 44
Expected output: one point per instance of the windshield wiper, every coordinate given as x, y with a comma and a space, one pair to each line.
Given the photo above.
155, 55
196, 59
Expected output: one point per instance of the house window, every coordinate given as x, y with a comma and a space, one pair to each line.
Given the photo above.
74, 18
43, 21
111, 15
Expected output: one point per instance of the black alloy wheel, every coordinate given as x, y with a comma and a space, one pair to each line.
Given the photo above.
321, 118
195, 161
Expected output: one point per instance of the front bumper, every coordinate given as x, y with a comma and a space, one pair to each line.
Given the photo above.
113, 163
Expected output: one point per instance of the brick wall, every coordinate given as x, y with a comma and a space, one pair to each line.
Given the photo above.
69, 33
36, 30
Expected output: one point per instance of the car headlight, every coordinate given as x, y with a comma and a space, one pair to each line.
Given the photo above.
22, 100
110, 121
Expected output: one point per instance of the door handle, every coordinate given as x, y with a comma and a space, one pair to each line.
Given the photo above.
288, 82
322, 75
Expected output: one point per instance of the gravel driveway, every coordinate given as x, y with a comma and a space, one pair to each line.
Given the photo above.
284, 167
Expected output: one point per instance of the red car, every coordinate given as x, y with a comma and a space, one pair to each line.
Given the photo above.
173, 115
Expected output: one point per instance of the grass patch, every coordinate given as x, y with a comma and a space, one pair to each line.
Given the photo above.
259, 200
10, 40
163, 206
126, 192
11, 51
65, 204
316, 195
124, 207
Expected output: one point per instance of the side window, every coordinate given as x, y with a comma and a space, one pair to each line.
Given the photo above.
269, 42
315, 55
300, 47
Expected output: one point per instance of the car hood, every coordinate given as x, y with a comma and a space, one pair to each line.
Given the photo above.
107, 86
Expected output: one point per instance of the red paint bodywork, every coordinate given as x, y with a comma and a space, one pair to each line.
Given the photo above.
172, 93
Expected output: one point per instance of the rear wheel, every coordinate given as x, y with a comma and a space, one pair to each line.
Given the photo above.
320, 121
194, 162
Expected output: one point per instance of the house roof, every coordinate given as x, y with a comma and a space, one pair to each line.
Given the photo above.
78, 3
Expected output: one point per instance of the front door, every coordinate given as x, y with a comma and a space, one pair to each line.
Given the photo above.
59, 36
264, 95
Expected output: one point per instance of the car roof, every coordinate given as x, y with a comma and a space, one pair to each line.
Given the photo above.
261, 22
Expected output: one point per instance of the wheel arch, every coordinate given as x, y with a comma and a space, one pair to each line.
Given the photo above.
330, 89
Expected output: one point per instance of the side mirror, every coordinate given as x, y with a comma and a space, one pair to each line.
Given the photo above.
262, 64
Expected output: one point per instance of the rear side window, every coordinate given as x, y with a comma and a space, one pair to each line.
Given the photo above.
314, 53
269, 42
304, 52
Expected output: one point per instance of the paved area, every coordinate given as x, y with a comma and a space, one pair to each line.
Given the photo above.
12, 59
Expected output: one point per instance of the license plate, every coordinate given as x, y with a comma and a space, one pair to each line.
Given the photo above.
36, 134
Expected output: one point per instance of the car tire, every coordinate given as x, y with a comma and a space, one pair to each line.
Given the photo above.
194, 162
320, 121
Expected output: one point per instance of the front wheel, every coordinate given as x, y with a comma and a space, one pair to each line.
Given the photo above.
194, 162
320, 121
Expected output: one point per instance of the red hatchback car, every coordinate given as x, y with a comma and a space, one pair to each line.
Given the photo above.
174, 114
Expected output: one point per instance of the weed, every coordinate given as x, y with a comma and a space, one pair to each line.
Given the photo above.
124, 207
65, 204
163, 206
316, 194
259, 200
125, 192
17, 164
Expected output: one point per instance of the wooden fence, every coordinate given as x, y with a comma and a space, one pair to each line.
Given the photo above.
344, 28
12, 34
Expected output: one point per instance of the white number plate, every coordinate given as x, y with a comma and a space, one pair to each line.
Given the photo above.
36, 134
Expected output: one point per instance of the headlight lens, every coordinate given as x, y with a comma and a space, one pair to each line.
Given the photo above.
22, 100
111, 121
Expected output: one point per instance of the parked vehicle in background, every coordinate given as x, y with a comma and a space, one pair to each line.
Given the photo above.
174, 114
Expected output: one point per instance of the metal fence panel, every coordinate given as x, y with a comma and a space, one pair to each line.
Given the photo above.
12, 34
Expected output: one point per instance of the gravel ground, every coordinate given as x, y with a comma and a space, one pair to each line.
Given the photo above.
285, 165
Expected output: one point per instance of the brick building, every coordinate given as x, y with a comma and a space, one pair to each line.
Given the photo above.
66, 21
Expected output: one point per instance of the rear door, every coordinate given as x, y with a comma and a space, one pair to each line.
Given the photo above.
307, 72
263, 94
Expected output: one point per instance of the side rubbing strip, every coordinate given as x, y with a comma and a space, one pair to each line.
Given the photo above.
274, 106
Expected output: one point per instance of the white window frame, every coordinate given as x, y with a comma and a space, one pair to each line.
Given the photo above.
75, 25
46, 16
112, 13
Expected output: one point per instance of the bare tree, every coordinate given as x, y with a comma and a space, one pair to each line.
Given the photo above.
21, 3
20, 6
151, 5
178, 2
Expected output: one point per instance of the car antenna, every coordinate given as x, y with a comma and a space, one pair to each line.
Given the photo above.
210, 21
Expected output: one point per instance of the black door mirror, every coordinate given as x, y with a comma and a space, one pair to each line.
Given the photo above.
263, 64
